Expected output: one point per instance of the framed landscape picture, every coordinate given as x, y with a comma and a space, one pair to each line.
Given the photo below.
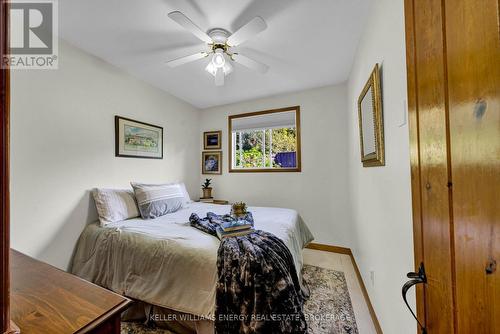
211, 162
134, 139
212, 140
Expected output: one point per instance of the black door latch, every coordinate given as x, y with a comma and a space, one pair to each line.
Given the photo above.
415, 278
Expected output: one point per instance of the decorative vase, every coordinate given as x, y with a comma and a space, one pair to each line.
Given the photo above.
207, 192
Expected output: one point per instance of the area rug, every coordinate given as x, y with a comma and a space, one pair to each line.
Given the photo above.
328, 310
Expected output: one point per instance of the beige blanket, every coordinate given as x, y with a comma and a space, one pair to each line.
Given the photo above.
168, 263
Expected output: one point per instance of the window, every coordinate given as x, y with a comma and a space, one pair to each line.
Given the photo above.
265, 141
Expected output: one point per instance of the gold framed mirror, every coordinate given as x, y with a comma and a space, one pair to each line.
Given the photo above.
371, 123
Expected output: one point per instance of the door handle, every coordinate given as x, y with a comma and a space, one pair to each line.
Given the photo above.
415, 278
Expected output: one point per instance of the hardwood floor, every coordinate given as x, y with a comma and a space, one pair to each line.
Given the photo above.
342, 262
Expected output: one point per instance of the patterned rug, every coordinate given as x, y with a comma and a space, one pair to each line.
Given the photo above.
328, 310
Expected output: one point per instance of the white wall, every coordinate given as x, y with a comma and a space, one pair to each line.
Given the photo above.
63, 146
319, 193
380, 196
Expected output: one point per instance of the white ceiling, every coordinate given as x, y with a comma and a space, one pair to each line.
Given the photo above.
308, 43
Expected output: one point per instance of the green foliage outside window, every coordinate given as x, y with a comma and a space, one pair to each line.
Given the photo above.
284, 140
253, 150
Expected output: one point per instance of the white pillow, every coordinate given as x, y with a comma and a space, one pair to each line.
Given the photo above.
115, 205
184, 191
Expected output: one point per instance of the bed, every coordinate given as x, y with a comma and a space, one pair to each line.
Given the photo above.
166, 262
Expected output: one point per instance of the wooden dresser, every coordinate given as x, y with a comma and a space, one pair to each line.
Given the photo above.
45, 299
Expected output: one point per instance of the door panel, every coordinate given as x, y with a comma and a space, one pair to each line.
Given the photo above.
4, 175
453, 60
414, 156
473, 57
431, 104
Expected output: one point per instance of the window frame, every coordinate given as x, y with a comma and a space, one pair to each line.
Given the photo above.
298, 168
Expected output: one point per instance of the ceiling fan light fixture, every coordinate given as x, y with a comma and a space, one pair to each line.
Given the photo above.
212, 69
219, 42
218, 59
228, 68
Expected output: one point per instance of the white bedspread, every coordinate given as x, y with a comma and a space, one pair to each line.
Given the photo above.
168, 263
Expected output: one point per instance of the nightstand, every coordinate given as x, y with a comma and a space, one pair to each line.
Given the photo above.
213, 201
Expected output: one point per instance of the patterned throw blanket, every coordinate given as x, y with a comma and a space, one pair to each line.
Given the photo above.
257, 289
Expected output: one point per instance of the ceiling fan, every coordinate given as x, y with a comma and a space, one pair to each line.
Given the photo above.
220, 41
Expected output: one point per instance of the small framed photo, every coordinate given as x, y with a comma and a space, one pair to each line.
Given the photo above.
211, 162
212, 140
134, 139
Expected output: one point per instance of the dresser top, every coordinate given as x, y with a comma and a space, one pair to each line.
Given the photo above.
45, 299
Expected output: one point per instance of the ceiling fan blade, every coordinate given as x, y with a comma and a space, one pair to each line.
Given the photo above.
219, 77
184, 21
250, 63
186, 59
252, 28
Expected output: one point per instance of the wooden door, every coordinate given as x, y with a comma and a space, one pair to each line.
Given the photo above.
4, 177
453, 59
473, 60
430, 187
